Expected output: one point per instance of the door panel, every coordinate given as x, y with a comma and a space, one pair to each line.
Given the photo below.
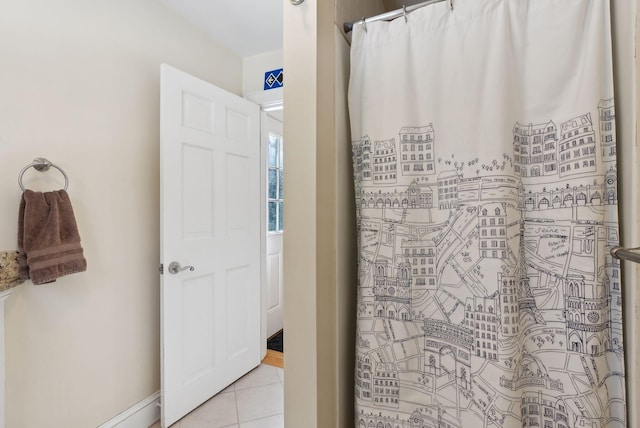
274, 262
210, 219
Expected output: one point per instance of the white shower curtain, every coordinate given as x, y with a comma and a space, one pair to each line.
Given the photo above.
485, 176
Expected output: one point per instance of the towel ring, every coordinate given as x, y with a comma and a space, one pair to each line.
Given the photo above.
42, 164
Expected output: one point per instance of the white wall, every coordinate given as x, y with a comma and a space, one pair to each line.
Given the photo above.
80, 86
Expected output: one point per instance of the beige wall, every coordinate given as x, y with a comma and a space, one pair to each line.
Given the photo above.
300, 283
319, 243
351, 10
80, 86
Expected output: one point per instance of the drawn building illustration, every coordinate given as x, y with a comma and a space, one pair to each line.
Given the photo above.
540, 410
587, 314
607, 116
419, 195
429, 417
416, 196
510, 313
526, 301
416, 150
535, 149
420, 254
594, 194
386, 385
492, 229
385, 161
448, 189
611, 186
392, 290
364, 378
362, 160
481, 316
612, 283
447, 349
531, 372
577, 146
518, 305
494, 188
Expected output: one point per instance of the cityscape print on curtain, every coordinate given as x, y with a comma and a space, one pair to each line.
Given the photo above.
484, 153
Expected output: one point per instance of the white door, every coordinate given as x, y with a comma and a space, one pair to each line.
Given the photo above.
211, 220
272, 151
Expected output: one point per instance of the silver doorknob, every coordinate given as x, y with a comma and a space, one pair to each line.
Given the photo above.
174, 267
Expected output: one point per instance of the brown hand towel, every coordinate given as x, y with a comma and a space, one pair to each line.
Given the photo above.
48, 237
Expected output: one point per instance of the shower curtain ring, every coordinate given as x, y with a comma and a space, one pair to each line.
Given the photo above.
451, 4
404, 11
364, 24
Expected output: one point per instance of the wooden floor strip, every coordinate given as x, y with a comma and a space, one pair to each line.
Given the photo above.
274, 358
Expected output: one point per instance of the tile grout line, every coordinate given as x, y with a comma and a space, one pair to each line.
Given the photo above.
234, 390
256, 387
235, 399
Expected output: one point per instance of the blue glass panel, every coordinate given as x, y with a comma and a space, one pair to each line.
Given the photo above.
273, 183
273, 215
274, 149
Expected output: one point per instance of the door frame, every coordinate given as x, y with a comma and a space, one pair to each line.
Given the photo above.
267, 121
268, 101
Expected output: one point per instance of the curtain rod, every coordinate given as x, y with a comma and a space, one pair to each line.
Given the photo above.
626, 254
348, 26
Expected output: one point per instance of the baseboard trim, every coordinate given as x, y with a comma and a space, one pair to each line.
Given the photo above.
141, 415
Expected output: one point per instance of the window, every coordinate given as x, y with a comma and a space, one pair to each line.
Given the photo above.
275, 190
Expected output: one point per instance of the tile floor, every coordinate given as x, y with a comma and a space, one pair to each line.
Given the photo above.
255, 401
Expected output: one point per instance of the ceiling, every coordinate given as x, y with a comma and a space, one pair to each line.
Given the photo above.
245, 27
